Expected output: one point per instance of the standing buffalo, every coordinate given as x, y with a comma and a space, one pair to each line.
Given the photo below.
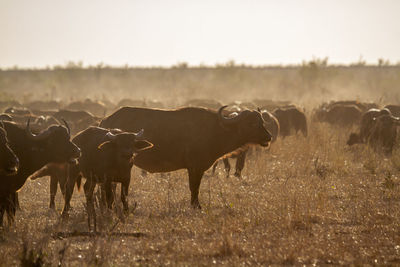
189, 138
107, 157
384, 133
339, 114
291, 119
367, 121
33, 152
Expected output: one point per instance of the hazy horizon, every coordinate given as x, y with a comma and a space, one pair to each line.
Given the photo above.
163, 33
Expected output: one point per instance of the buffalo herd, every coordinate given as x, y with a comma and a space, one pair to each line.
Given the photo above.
100, 142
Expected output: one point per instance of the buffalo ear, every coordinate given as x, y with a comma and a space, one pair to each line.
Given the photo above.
104, 144
142, 145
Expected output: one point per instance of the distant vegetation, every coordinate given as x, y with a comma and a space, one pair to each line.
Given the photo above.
310, 82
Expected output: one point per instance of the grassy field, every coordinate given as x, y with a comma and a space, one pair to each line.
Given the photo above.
304, 201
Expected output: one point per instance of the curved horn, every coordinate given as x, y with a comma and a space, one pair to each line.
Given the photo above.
111, 136
139, 134
230, 121
40, 136
66, 125
28, 130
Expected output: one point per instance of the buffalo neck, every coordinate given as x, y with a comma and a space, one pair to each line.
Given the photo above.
228, 140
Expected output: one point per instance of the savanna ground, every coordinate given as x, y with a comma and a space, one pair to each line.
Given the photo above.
304, 201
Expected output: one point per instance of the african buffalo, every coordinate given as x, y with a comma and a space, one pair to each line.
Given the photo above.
78, 119
291, 119
107, 157
341, 115
58, 173
384, 133
33, 151
367, 121
95, 107
189, 138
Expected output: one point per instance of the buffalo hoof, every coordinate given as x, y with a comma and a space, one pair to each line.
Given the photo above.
52, 206
238, 175
196, 205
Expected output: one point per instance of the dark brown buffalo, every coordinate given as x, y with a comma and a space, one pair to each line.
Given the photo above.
79, 120
189, 138
33, 152
44, 105
395, 109
271, 124
291, 120
58, 173
20, 111
367, 121
9, 162
384, 133
341, 115
95, 107
107, 157
363, 106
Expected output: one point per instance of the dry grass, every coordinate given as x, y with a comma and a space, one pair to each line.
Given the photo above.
306, 201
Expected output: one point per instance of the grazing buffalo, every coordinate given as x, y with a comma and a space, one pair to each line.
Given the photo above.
291, 119
189, 138
384, 133
367, 121
107, 157
33, 151
339, 114
9, 162
271, 124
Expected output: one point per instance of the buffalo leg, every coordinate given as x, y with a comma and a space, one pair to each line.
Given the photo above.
89, 189
53, 190
124, 194
227, 166
194, 185
72, 176
1, 215
240, 164
109, 193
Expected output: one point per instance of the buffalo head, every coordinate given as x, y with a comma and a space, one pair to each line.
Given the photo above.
249, 124
54, 143
124, 144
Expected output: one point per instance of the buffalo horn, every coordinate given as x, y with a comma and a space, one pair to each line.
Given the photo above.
66, 125
139, 134
111, 136
38, 137
230, 121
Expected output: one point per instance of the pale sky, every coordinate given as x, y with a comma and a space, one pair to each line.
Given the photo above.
39, 33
